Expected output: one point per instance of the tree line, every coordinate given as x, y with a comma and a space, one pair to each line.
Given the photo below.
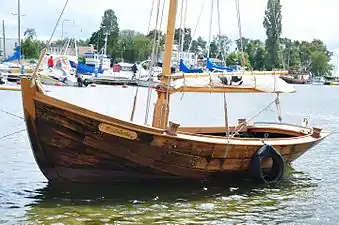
275, 52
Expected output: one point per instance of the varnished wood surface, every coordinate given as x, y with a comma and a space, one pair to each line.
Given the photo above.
76, 145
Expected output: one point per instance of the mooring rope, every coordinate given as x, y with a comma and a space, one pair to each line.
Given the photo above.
8, 135
12, 114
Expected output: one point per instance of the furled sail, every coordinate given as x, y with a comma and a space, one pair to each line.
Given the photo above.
231, 83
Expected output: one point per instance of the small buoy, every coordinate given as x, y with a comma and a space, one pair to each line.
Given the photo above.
93, 85
18, 82
124, 86
59, 84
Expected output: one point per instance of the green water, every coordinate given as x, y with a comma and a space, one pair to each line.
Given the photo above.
308, 194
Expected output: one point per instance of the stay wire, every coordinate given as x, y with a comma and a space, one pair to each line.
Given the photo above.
57, 23
152, 62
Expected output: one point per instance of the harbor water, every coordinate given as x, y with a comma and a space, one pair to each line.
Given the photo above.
308, 193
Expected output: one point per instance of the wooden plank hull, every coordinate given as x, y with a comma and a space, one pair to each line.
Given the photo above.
72, 144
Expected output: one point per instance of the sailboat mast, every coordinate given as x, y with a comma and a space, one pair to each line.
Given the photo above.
19, 32
210, 31
161, 110
4, 38
76, 47
105, 48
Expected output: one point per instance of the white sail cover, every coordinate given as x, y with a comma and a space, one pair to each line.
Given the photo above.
261, 83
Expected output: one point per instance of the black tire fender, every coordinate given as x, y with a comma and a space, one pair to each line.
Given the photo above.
277, 170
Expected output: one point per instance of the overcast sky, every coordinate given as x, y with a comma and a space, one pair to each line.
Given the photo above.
302, 19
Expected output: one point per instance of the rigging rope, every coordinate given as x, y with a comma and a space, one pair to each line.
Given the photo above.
150, 18
152, 63
237, 4
196, 26
159, 37
35, 75
184, 27
219, 25
277, 103
180, 30
137, 89
57, 23
269, 105
224, 93
227, 133
210, 31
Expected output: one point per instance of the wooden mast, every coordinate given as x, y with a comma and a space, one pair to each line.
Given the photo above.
161, 109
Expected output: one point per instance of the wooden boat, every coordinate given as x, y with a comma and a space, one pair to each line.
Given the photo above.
73, 144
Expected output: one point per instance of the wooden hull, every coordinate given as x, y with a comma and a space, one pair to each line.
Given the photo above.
72, 144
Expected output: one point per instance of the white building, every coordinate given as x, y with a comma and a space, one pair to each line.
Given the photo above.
189, 58
81, 50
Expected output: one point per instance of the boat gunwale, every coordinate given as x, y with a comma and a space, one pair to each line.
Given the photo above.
49, 100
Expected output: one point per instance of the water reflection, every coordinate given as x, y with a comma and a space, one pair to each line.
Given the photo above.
176, 203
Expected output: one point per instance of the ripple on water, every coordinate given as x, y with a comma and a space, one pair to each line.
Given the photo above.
307, 195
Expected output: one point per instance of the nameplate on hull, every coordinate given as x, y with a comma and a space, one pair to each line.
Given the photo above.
117, 131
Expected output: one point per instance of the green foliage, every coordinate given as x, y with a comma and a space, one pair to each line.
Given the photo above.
30, 46
219, 47
109, 26
235, 58
255, 51
187, 37
272, 24
160, 36
213, 49
83, 42
319, 65
30, 33
306, 56
195, 47
201, 45
143, 47
81, 59
134, 46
